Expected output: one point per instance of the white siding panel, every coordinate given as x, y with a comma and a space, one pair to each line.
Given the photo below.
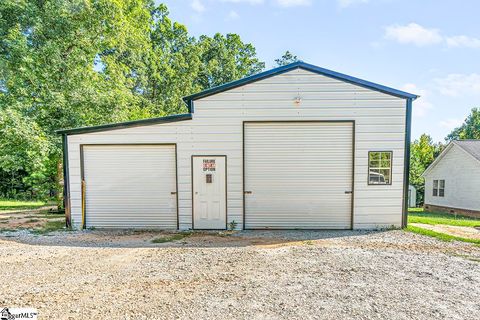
461, 173
298, 173
216, 128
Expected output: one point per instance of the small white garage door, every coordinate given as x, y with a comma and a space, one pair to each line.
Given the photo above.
298, 175
130, 186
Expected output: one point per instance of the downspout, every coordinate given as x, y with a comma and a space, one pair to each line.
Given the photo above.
66, 183
406, 173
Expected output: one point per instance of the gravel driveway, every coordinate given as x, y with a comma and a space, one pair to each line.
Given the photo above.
248, 275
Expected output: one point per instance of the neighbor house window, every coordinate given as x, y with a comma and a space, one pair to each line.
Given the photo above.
380, 167
439, 188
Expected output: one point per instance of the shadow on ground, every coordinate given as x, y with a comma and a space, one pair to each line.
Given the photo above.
164, 239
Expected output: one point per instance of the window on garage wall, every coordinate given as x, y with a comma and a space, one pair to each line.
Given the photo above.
380, 167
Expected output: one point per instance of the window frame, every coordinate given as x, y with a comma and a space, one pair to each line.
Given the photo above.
390, 169
441, 190
435, 188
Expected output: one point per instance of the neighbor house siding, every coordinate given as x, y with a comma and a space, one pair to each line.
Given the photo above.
461, 173
217, 124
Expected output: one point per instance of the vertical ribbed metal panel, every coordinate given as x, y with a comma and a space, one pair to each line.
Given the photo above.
130, 186
298, 174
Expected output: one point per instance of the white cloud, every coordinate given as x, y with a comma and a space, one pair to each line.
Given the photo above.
422, 104
463, 41
232, 15
348, 3
293, 3
457, 84
450, 124
418, 35
413, 34
197, 6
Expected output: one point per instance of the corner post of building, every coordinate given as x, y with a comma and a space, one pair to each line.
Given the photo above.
406, 174
66, 185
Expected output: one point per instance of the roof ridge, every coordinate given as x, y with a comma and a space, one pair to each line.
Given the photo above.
294, 65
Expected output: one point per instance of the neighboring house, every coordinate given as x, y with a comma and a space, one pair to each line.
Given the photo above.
295, 147
412, 196
452, 181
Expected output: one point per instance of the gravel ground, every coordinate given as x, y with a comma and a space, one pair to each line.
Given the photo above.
246, 275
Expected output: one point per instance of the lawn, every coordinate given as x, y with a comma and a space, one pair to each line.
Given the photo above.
8, 204
417, 215
440, 236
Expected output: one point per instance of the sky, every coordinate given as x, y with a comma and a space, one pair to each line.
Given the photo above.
427, 47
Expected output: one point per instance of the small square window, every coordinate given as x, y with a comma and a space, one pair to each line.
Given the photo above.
209, 178
380, 167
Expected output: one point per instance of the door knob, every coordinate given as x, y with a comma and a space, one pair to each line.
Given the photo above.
173, 192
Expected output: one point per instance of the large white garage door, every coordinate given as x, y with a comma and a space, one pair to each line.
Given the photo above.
298, 175
130, 186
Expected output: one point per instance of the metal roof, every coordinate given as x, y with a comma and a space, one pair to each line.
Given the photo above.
230, 85
128, 124
292, 66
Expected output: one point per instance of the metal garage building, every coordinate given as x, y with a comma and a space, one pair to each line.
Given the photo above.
295, 147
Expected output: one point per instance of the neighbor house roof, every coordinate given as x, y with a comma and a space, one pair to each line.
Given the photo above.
470, 147
292, 66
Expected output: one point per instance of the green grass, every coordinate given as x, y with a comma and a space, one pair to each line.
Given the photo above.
7, 204
416, 215
51, 226
440, 236
175, 237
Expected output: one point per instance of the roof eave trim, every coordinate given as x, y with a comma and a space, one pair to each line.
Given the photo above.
299, 65
124, 125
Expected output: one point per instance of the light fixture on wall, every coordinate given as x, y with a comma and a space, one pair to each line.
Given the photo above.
297, 100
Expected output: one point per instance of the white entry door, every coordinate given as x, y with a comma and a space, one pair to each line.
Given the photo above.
209, 192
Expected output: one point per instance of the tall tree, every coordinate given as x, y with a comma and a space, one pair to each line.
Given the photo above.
226, 58
422, 153
287, 58
470, 129
87, 62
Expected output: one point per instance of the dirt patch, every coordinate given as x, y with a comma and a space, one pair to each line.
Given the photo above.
457, 231
28, 219
241, 275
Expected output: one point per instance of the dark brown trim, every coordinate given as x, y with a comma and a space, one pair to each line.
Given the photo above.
82, 167
83, 197
300, 121
391, 168
226, 186
176, 185
66, 183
